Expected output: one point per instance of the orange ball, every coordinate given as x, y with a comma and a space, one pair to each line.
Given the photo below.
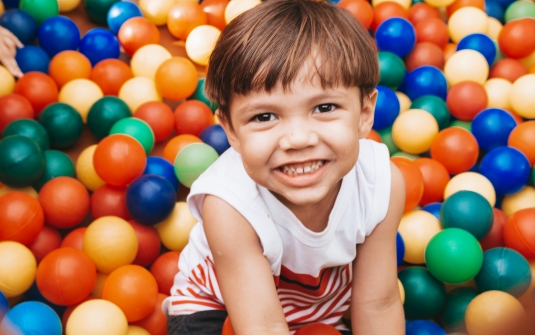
133, 289
164, 268
227, 327
183, 17
110, 75
457, 4
192, 116
414, 182
386, 10
466, 99
74, 239
173, 147
65, 202
456, 148
449, 50
21, 218
508, 69
68, 65
421, 11
156, 322
374, 135
317, 329
215, 12
523, 138
176, 78
424, 53
360, 9
40, 89
435, 177
119, 159
48, 239
432, 30
137, 32
519, 233
159, 116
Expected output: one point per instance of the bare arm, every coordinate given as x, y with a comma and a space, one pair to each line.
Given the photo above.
243, 273
376, 307
9, 44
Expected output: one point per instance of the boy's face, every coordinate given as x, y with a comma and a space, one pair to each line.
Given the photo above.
301, 142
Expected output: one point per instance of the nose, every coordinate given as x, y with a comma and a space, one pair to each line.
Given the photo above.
298, 136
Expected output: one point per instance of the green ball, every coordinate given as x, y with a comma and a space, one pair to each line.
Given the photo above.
519, 10
386, 137
452, 317
192, 161
21, 161
405, 155
138, 129
104, 113
462, 124
199, 95
453, 256
391, 69
31, 129
97, 10
436, 106
40, 9
63, 123
57, 164
469, 211
533, 175
425, 296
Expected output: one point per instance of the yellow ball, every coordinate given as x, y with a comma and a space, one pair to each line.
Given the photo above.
403, 3
529, 60
97, 317
7, 82
136, 330
414, 130
81, 94
401, 291
147, 59
17, 268
525, 198
466, 65
439, 3
493, 28
85, 170
236, 7
156, 10
138, 90
110, 242
28, 190
471, 181
201, 42
466, 21
498, 92
522, 97
68, 5
404, 102
99, 285
416, 229
174, 231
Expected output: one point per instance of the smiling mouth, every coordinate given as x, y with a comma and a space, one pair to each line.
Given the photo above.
301, 168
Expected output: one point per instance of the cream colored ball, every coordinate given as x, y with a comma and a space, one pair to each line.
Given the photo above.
81, 94
237, 7
156, 10
471, 181
417, 228
525, 198
147, 59
85, 170
414, 130
137, 91
466, 65
466, 21
498, 92
201, 42
522, 97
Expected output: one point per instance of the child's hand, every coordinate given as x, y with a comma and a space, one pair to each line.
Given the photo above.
8, 49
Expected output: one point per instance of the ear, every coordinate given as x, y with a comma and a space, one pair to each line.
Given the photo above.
367, 114
229, 130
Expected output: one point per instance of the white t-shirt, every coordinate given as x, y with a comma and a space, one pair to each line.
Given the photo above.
312, 270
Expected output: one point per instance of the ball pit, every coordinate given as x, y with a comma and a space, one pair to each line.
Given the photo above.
57, 34
69, 65
21, 24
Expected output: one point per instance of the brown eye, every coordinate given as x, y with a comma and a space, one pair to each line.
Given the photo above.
264, 117
324, 108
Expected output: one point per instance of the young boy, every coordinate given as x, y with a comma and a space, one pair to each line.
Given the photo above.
284, 214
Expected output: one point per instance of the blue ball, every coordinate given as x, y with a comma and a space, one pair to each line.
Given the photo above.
425, 80
433, 208
504, 3
400, 249
150, 199
4, 305
120, 12
507, 169
215, 137
99, 44
161, 167
36, 318
386, 108
11, 3
21, 24
57, 34
34, 294
396, 35
492, 127
31, 58
424, 327
495, 10
480, 43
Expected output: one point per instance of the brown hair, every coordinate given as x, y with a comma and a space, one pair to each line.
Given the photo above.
271, 42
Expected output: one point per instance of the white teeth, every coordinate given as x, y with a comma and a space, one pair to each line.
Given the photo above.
296, 169
308, 168
299, 170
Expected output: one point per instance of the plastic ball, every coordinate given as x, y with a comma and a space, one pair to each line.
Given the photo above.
234, 9
425, 53
392, 69
119, 13
138, 129
421, 125
317, 329
135, 330
386, 109
150, 199
509, 69
421, 11
85, 169
215, 137
457, 301
396, 35
7, 81
425, 296
433, 208
435, 178
63, 124
456, 149
432, 30
22, 218
71, 94
161, 167
137, 32
435, 106
183, 17
498, 91
74, 239
156, 11
423, 327
174, 231
21, 24
97, 10
39, 88
466, 21
119, 159
200, 43
69, 65
387, 10
164, 268
471, 181
149, 243
526, 298
31, 58
99, 44
404, 105
513, 39
469, 211
201, 96
192, 161
33, 317
14, 107
521, 98
110, 75
192, 117
57, 34
65, 202
156, 322
17, 268
28, 128
494, 27
466, 65
21, 161
521, 138
507, 169
525, 198
159, 116
425, 80
494, 238
361, 10
417, 228
104, 113
137, 91
166, 78
519, 10
492, 127
400, 249
4, 305
4, 189
46, 241
40, 9
177, 143
519, 232
481, 43
147, 59
109, 200
68, 5
111, 319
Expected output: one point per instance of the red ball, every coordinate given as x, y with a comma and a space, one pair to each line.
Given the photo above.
156, 322
432, 30
215, 12
227, 327
39, 88
66, 276
516, 39
109, 200
424, 53
48, 239
164, 269
458, 4
149, 243
386, 10
65, 202
519, 233
435, 177
110, 75
74, 239
421, 11
14, 107
21, 216
414, 182
466, 99
360, 9
317, 329
160, 118
456, 148
509, 69
192, 116
494, 237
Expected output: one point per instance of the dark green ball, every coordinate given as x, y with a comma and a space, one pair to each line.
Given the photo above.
469, 211
21, 161
391, 69
63, 123
386, 137
31, 129
97, 10
436, 106
452, 317
201, 96
425, 296
104, 113
57, 164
